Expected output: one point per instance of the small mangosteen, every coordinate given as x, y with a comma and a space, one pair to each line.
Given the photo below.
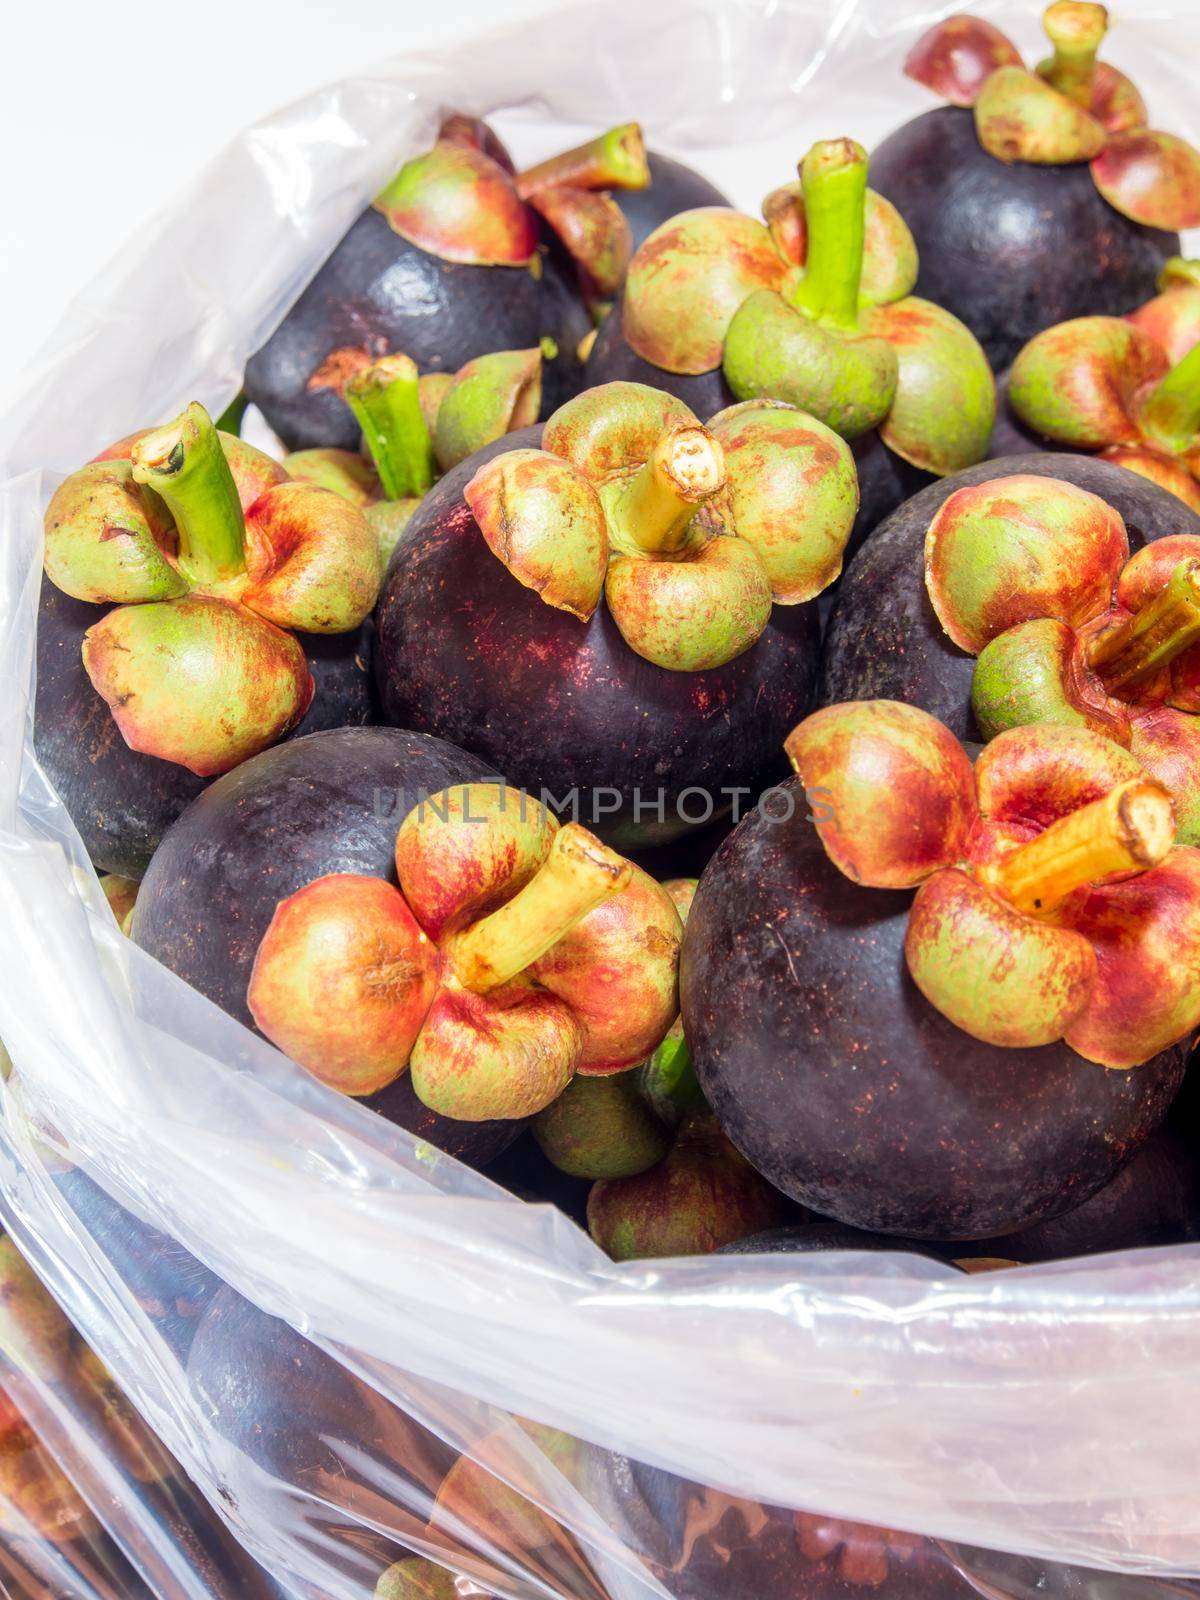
601, 1128
702, 1195
813, 308
884, 639
519, 953
1034, 196
415, 428
458, 256
981, 1057
327, 803
127, 770
622, 616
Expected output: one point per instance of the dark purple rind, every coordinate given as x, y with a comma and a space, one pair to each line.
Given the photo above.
849, 1091
884, 640
1011, 249
171, 1286
885, 481
1153, 1200
121, 801
613, 360
523, 1170
331, 802
581, 711
810, 1238
674, 187
379, 292
304, 1420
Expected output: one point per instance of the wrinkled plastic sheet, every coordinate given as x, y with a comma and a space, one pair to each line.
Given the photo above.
1050, 1412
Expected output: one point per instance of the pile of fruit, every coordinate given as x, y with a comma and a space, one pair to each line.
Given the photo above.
706, 728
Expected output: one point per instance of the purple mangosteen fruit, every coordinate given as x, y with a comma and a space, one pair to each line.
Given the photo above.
622, 617
198, 605
813, 306
461, 255
840, 1028
1034, 196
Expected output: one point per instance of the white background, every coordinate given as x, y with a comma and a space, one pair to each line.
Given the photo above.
107, 109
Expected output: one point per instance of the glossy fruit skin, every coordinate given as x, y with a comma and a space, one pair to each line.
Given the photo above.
582, 711
792, 975
287, 1405
121, 801
171, 1286
379, 293
329, 803
812, 1238
1061, 252
674, 187
884, 641
884, 479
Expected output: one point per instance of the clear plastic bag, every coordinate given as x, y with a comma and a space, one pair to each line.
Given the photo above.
1048, 1412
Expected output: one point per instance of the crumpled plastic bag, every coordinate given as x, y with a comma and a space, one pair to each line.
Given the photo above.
1049, 1412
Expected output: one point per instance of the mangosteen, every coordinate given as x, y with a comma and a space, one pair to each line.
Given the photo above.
459, 255
330, 802
884, 639
1034, 196
840, 1028
304, 1421
1033, 577
518, 954
576, 615
1108, 385
203, 579
813, 308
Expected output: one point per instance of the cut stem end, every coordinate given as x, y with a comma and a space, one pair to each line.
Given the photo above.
185, 464
1130, 829
654, 509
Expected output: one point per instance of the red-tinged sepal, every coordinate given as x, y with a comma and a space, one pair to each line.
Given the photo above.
505, 1054
687, 280
1146, 936
1166, 471
1019, 117
1077, 383
342, 981
475, 133
793, 489
617, 970
1033, 673
492, 395
312, 560
1012, 549
944, 407
543, 519
460, 205
464, 851
1171, 319
1029, 777
593, 229
342, 472
999, 975
1151, 178
1167, 743
198, 681
706, 606
896, 790
612, 428
1117, 103
889, 267
109, 539
956, 56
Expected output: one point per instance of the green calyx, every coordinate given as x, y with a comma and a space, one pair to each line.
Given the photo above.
1169, 416
386, 401
1022, 677
185, 465
1021, 117
492, 395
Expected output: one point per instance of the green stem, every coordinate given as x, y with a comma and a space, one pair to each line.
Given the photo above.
1170, 414
185, 464
1150, 640
833, 177
651, 511
1076, 29
386, 399
612, 160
